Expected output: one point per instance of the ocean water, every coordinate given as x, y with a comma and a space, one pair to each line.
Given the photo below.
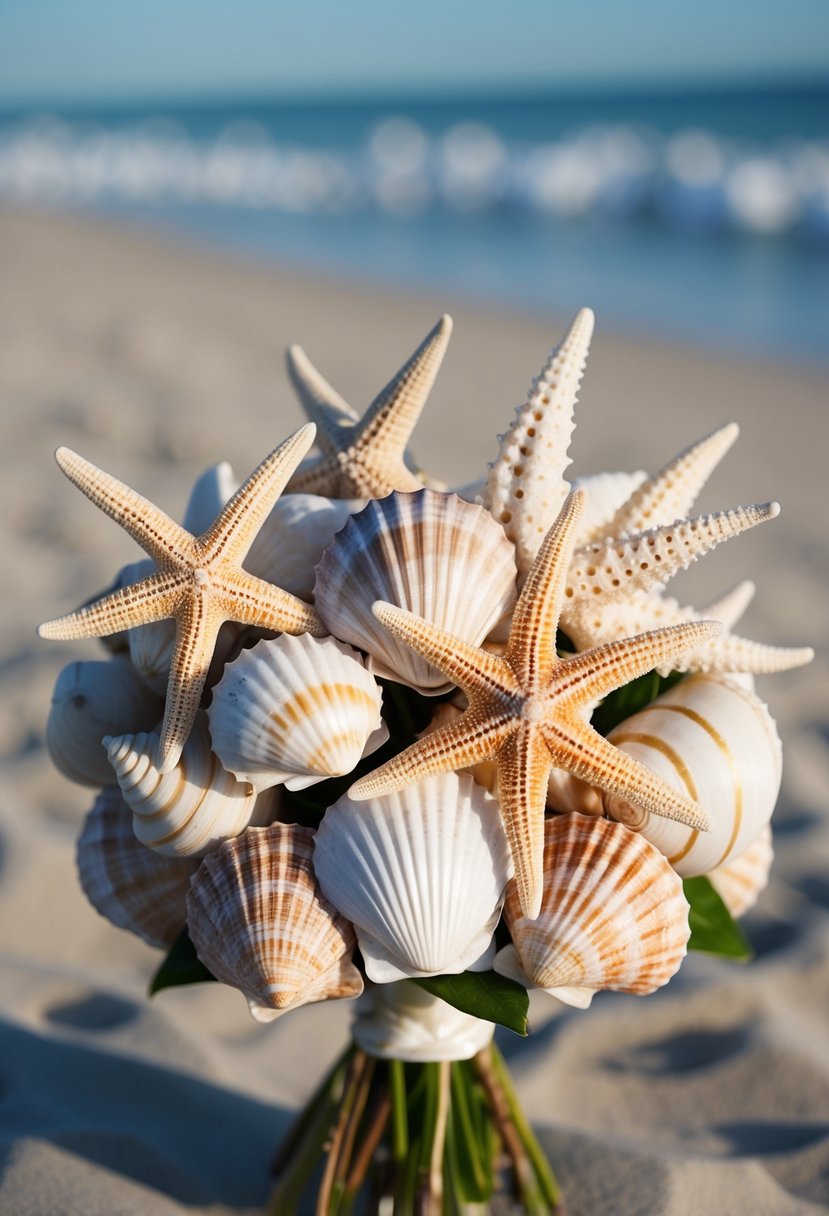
702, 217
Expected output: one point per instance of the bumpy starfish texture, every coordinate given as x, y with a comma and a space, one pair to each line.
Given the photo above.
365, 457
529, 709
198, 580
526, 484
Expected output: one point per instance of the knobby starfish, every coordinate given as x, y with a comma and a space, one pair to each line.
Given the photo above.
529, 709
199, 580
365, 457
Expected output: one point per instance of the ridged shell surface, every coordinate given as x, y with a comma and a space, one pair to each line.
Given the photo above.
190, 810
293, 537
131, 885
741, 881
93, 699
715, 741
421, 874
295, 710
433, 554
613, 914
259, 922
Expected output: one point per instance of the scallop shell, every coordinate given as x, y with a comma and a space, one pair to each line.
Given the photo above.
93, 699
444, 559
295, 710
613, 914
260, 923
292, 539
741, 881
421, 873
131, 885
715, 741
190, 810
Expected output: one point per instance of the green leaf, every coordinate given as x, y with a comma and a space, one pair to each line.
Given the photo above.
626, 701
713, 928
181, 966
485, 994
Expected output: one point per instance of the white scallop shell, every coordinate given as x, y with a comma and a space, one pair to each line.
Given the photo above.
292, 539
715, 741
295, 710
190, 810
443, 559
613, 914
404, 1022
259, 922
93, 699
134, 887
421, 873
741, 881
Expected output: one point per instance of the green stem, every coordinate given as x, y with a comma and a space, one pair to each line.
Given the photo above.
467, 1138
399, 1113
543, 1171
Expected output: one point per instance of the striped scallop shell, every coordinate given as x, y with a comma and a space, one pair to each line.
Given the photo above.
443, 559
259, 922
134, 887
295, 710
715, 741
292, 539
93, 699
741, 881
190, 810
613, 915
421, 873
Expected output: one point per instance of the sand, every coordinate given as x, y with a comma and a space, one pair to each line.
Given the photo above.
710, 1097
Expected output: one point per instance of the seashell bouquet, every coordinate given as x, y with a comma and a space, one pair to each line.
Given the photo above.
359, 737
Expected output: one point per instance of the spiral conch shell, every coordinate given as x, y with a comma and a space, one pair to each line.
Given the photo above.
441, 558
295, 710
134, 887
259, 922
715, 740
613, 915
191, 810
421, 873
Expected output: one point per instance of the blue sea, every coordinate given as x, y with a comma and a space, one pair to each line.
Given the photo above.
699, 216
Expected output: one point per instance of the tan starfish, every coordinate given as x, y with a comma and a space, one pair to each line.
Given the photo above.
365, 457
198, 580
529, 709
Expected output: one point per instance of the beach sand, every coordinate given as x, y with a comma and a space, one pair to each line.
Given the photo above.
711, 1097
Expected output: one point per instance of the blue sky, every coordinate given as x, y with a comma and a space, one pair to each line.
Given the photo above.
74, 50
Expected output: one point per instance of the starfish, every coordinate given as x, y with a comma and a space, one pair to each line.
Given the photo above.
365, 457
529, 709
198, 580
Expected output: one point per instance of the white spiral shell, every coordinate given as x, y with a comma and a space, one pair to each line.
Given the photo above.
190, 810
295, 710
613, 915
134, 887
259, 922
715, 741
441, 558
421, 873
93, 699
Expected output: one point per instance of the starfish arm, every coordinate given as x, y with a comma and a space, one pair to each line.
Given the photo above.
671, 493
322, 404
614, 568
586, 677
730, 607
580, 750
524, 764
526, 486
531, 649
322, 475
253, 601
152, 599
473, 737
472, 669
234, 530
197, 624
157, 534
734, 653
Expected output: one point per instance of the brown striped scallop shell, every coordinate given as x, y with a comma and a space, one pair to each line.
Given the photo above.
741, 881
260, 923
613, 914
